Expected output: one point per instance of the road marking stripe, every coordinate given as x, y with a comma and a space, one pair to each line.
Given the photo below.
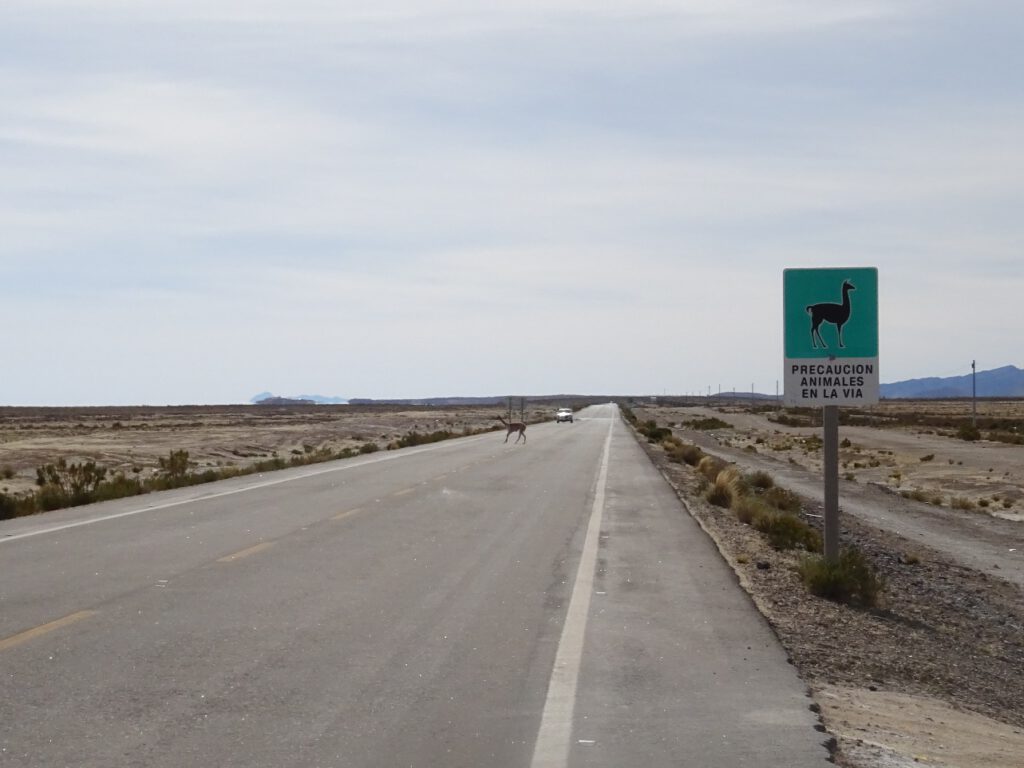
31, 634
349, 513
404, 492
553, 739
391, 456
244, 553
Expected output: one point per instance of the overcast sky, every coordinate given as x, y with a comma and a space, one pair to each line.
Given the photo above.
201, 200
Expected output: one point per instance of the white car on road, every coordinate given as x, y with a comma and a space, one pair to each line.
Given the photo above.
564, 414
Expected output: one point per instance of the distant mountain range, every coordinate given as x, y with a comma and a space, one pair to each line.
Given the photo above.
269, 398
1007, 381
434, 401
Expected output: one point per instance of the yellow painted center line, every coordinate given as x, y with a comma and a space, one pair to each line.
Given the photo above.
32, 634
349, 513
244, 553
406, 492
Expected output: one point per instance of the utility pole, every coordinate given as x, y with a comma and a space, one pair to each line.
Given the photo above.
974, 396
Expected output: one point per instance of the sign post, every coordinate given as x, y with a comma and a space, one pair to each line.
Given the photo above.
831, 358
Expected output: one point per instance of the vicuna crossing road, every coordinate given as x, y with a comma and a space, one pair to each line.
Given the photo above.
468, 603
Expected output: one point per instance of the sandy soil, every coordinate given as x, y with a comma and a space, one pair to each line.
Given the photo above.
936, 673
883, 728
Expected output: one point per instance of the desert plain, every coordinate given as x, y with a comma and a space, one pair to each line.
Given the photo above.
132, 439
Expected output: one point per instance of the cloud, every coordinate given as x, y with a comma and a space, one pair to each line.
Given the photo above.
747, 15
398, 198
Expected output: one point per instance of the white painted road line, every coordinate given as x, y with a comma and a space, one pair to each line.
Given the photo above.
206, 497
553, 739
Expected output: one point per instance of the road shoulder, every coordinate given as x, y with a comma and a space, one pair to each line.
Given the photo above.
679, 667
945, 636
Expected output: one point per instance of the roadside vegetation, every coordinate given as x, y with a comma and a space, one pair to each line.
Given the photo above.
774, 512
63, 484
707, 423
850, 579
1004, 429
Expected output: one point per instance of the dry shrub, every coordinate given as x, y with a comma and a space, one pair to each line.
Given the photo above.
710, 466
917, 495
749, 509
760, 479
782, 499
684, 453
786, 531
848, 580
736, 481
720, 495
691, 454
968, 432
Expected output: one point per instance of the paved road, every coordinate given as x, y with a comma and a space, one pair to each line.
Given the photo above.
468, 603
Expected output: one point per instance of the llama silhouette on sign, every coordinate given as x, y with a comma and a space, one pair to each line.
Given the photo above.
837, 314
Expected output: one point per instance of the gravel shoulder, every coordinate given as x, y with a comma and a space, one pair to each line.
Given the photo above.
935, 674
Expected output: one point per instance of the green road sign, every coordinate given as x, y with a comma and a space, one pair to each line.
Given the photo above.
831, 336
831, 312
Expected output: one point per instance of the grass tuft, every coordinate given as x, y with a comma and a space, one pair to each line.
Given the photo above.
761, 480
786, 531
711, 422
710, 466
850, 580
782, 499
968, 432
749, 509
719, 495
684, 453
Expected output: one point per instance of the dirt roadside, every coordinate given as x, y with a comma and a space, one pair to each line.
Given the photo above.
979, 539
935, 675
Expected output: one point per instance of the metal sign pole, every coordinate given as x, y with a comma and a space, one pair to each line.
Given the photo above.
830, 420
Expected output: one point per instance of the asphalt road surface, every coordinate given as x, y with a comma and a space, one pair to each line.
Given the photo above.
468, 603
